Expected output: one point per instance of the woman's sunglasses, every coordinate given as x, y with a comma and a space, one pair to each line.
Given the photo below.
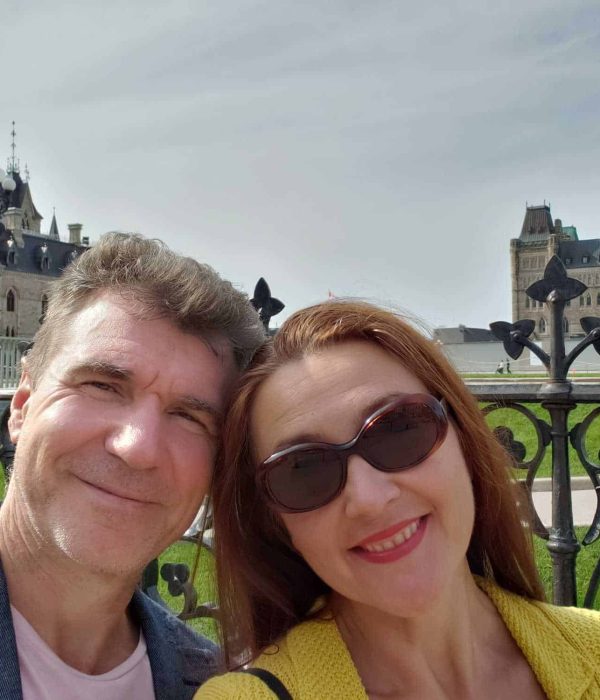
397, 436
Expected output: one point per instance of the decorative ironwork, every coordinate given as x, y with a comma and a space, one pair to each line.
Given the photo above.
517, 450
266, 305
559, 396
177, 578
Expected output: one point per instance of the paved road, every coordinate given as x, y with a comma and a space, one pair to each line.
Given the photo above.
584, 506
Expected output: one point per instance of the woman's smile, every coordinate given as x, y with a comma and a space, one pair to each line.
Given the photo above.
392, 544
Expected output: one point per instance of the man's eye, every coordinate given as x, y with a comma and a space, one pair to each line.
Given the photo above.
196, 422
101, 386
189, 417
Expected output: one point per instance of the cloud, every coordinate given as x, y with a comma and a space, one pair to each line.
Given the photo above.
377, 149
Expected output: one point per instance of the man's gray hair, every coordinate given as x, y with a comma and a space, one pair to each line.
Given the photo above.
158, 283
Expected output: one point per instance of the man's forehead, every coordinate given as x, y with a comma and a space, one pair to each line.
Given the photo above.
111, 316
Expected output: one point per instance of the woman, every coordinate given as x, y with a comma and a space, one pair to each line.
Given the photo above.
367, 537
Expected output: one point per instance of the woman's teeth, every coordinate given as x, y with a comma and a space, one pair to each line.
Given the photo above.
400, 537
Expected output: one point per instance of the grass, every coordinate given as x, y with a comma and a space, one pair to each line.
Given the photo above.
586, 562
524, 432
185, 552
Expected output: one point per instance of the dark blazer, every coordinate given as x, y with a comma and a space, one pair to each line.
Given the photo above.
180, 659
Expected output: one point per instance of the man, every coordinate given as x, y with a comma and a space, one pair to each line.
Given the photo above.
116, 422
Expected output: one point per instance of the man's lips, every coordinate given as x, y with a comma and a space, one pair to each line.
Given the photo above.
117, 493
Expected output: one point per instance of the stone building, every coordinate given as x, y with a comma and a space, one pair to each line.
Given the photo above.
29, 259
540, 239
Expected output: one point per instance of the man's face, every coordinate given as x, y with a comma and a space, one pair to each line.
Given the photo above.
116, 443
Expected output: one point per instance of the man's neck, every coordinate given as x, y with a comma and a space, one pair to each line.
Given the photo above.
82, 615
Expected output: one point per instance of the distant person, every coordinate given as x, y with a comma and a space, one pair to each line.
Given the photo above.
508, 366
368, 539
116, 421
500, 367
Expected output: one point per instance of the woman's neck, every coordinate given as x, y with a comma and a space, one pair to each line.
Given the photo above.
446, 652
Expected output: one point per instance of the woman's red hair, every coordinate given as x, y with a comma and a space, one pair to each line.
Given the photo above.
265, 587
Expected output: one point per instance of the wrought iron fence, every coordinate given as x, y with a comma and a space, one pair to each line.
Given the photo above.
558, 394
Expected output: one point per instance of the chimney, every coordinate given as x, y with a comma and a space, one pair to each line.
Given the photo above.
75, 233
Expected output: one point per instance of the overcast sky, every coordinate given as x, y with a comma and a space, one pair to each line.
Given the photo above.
380, 149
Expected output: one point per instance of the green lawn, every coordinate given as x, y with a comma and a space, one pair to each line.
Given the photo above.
586, 561
525, 432
184, 552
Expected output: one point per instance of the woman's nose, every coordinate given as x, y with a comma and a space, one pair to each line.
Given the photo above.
367, 490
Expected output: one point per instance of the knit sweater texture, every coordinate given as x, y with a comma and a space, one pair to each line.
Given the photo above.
561, 645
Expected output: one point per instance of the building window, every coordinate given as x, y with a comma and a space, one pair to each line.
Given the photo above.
598, 298
12, 332
44, 305
542, 325
588, 300
585, 259
527, 304
565, 325
580, 301
10, 301
568, 261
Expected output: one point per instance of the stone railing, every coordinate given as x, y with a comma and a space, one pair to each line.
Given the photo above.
11, 350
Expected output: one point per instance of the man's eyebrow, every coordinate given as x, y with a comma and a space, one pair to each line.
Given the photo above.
193, 403
100, 367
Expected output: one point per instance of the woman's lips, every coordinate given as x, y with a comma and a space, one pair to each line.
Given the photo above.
392, 544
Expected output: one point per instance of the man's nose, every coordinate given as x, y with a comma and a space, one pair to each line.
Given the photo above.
368, 490
136, 438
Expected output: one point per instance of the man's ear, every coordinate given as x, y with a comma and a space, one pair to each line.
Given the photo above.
19, 406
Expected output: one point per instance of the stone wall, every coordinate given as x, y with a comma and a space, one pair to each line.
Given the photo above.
29, 290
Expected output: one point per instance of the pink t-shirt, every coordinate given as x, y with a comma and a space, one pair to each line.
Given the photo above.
46, 677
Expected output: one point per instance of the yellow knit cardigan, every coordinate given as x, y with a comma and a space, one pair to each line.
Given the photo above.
562, 646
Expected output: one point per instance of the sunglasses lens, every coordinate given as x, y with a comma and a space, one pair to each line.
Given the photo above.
401, 438
306, 479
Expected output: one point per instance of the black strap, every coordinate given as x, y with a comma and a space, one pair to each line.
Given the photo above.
272, 681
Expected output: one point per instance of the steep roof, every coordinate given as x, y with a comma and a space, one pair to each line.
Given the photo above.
39, 254
462, 334
53, 232
537, 224
573, 253
17, 196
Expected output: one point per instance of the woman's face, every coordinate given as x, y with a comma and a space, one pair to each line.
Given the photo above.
325, 397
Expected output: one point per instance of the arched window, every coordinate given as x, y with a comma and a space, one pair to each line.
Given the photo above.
581, 301
588, 300
7, 332
542, 325
44, 305
10, 301
12, 332
527, 304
